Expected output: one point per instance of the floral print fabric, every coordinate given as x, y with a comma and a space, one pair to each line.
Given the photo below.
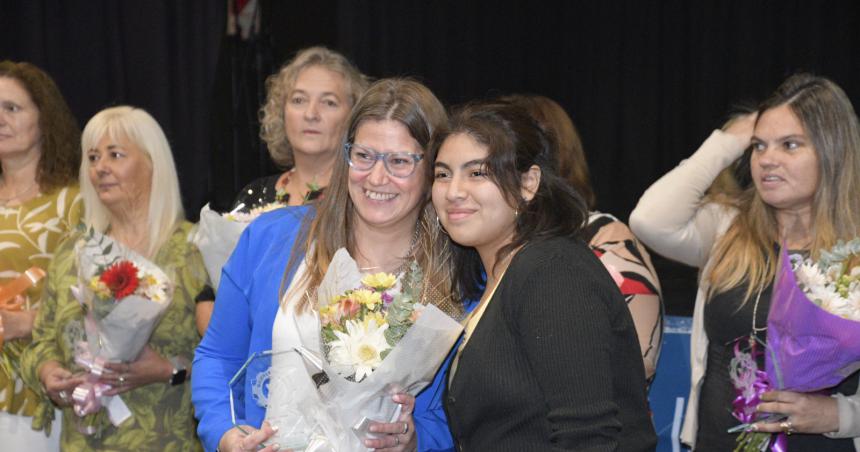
162, 416
29, 234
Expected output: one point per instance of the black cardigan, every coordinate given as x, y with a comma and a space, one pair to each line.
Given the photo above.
554, 363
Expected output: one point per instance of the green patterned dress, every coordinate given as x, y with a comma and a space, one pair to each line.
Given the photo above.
29, 234
162, 415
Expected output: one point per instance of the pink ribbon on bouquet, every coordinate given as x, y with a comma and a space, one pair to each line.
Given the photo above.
87, 395
745, 403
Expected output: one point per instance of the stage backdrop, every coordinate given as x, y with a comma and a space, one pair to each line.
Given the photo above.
645, 82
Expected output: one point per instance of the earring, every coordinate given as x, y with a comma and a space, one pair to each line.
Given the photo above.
516, 213
439, 225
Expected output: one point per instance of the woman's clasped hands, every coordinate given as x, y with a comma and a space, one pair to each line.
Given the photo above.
398, 436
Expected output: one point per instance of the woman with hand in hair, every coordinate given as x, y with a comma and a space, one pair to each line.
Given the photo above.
805, 164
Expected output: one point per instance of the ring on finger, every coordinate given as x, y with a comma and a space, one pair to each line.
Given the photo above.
405, 428
63, 396
121, 379
396, 440
786, 427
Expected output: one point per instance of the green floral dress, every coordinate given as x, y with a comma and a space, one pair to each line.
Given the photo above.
162, 415
29, 234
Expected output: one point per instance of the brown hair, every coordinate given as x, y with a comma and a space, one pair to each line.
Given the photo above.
730, 182
515, 142
60, 134
413, 105
279, 86
746, 252
572, 165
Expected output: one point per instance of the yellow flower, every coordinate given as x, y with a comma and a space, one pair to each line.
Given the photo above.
376, 317
379, 281
99, 288
147, 279
367, 298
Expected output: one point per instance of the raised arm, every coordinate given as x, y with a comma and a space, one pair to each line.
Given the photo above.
671, 217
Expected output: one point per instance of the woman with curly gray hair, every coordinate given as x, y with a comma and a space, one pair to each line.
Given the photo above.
302, 121
307, 104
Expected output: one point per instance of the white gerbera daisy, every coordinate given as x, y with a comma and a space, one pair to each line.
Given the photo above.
809, 275
833, 303
360, 348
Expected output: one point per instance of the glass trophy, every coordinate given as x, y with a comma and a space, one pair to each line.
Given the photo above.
281, 393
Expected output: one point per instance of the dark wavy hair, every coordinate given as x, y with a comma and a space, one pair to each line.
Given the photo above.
515, 142
60, 133
572, 164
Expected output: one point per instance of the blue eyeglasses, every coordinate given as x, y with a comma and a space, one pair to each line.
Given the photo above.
398, 164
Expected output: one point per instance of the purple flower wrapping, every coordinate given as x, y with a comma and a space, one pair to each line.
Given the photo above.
812, 348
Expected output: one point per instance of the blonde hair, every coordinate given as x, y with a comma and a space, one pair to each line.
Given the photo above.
746, 252
279, 86
413, 105
165, 202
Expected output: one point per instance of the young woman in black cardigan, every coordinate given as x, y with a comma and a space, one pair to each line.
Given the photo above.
550, 359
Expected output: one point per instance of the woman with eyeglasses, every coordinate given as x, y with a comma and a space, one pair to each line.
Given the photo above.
377, 208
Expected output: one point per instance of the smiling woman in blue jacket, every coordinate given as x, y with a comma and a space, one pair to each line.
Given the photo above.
377, 207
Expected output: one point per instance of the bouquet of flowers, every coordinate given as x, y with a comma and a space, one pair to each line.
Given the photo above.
217, 234
813, 336
378, 335
361, 326
123, 296
814, 320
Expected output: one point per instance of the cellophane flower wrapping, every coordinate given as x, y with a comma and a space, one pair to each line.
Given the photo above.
217, 235
123, 296
334, 402
813, 333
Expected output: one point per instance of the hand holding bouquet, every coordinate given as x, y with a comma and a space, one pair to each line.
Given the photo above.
813, 336
378, 335
814, 320
123, 296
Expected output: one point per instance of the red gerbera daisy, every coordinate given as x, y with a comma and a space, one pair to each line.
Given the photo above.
121, 279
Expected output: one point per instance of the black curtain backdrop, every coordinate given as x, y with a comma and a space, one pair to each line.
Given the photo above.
645, 81
157, 55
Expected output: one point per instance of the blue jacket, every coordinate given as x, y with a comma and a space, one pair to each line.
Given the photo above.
245, 309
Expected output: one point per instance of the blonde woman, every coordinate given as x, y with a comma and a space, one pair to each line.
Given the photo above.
307, 105
131, 194
805, 164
